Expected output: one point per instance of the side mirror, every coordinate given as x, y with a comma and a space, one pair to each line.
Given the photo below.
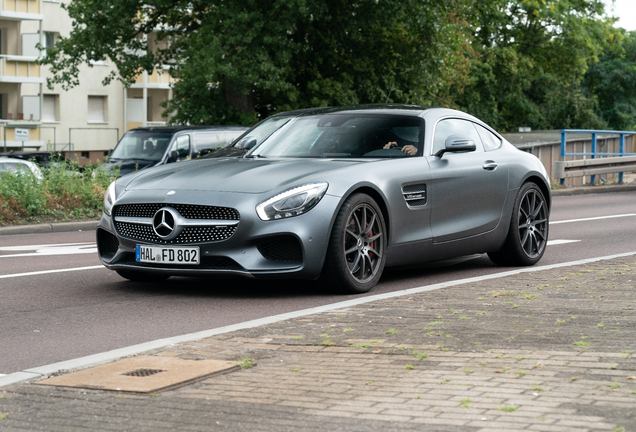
457, 143
174, 156
110, 152
248, 143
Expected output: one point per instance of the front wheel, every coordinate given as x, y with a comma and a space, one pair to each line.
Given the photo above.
136, 276
528, 233
357, 246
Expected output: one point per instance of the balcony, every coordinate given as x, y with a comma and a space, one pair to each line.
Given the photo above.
19, 69
20, 10
159, 79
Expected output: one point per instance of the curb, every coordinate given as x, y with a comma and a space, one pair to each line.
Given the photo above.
50, 228
588, 190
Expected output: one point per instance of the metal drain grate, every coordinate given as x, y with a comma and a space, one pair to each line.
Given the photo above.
143, 372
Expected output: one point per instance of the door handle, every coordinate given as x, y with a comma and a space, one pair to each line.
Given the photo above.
489, 165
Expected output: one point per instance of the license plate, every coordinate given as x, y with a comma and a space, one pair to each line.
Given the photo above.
167, 255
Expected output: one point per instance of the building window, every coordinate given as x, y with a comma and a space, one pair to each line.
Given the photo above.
50, 108
84, 155
97, 109
49, 40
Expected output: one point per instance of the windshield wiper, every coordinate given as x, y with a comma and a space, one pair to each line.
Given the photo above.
255, 156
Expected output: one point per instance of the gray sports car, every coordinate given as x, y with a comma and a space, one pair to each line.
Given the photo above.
333, 193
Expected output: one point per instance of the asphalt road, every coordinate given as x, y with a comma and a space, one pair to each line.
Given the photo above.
54, 316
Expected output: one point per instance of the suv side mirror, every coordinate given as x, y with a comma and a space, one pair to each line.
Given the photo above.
248, 143
174, 156
457, 143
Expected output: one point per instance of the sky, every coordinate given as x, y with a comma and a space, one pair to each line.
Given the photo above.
625, 10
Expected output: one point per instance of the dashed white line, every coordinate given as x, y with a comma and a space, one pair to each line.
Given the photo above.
558, 242
51, 271
592, 218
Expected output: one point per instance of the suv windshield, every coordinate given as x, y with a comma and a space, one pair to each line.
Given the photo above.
346, 136
142, 145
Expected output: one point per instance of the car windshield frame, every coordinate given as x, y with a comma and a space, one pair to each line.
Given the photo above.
154, 150
348, 135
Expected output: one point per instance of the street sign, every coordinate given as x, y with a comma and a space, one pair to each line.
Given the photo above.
21, 134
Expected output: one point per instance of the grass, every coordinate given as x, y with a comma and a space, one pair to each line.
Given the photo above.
328, 343
67, 191
507, 408
392, 331
247, 363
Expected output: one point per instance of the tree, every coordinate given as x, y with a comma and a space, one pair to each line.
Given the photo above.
530, 58
613, 81
236, 61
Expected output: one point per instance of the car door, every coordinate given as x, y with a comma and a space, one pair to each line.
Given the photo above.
468, 189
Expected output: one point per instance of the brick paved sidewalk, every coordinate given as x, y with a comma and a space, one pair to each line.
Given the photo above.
544, 351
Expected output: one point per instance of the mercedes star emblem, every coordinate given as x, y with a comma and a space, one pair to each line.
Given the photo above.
164, 223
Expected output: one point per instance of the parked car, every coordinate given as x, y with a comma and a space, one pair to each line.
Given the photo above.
145, 147
336, 193
19, 165
42, 158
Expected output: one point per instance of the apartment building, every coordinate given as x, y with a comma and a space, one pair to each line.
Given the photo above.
84, 122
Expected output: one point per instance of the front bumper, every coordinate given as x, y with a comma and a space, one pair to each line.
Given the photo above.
286, 248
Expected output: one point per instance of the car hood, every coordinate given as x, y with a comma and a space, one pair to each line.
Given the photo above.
237, 174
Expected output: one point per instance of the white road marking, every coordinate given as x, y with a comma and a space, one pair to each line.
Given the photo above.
558, 242
592, 218
51, 249
1, 375
92, 360
51, 271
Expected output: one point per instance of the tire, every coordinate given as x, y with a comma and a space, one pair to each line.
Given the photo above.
528, 233
357, 250
137, 276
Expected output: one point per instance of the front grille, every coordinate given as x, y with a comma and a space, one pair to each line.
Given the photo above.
189, 235
107, 244
415, 194
207, 263
186, 210
282, 249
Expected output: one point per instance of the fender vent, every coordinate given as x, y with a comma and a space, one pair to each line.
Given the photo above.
415, 194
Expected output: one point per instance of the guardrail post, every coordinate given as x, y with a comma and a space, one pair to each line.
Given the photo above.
563, 141
592, 177
622, 152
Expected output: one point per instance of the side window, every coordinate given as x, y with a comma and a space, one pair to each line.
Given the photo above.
490, 140
448, 127
182, 146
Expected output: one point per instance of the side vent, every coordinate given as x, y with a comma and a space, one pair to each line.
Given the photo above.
415, 194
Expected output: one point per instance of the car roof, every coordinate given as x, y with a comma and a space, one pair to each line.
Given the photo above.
403, 109
173, 129
15, 160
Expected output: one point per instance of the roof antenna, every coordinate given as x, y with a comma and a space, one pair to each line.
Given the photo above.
389, 95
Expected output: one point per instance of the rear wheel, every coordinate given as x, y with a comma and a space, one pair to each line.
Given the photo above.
137, 276
528, 232
357, 246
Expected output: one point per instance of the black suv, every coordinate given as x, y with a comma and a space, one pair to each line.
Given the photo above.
145, 147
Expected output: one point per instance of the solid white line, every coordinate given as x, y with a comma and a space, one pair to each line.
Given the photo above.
51, 271
105, 357
592, 218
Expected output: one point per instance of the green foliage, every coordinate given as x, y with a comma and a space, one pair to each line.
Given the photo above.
530, 58
67, 190
238, 61
613, 81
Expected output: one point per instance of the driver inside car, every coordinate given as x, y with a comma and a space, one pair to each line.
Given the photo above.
408, 149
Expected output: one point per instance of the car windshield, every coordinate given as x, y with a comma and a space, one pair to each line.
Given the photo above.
345, 136
142, 145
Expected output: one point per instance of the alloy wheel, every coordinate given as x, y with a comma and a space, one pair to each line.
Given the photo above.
363, 248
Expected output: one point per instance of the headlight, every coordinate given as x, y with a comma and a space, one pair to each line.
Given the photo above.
292, 202
109, 199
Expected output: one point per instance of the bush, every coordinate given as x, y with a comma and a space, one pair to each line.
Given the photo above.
68, 191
